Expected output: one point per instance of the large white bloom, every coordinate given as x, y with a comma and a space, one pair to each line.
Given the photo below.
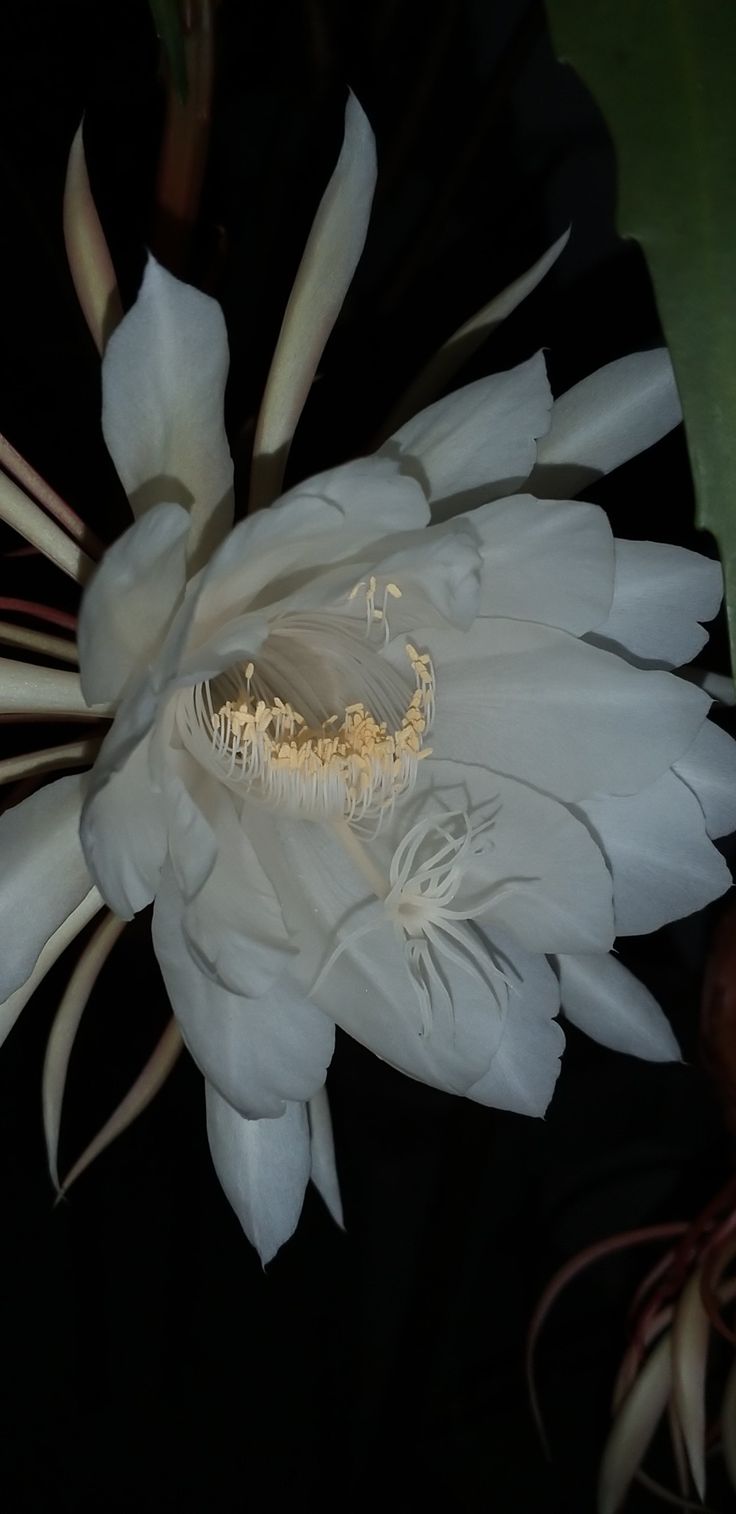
401, 753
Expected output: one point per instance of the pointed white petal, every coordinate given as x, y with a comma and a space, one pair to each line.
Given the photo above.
152, 1077
64, 1029
131, 600
330, 258
26, 689
634, 1427
123, 833
56, 944
604, 420
192, 844
234, 925
455, 352
661, 594
480, 438
43, 876
718, 685
690, 1335
709, 769
525, 1066
263, 1166
545, 561
555, 712
324, 1170
663, 865
257, 1052
87, 251
605, 1000
146, 707
163, 383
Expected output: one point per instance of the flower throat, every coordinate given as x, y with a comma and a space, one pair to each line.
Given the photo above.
350, 765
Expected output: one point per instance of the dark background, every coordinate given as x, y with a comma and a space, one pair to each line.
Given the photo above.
146, 1360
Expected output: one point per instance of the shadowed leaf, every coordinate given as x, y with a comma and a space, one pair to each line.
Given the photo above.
662, 74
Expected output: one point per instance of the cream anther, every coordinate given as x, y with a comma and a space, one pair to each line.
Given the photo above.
375, 613
351, 765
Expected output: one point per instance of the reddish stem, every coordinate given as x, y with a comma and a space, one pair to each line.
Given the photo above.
40, 612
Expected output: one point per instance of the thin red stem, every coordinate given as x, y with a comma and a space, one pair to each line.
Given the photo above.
40, 612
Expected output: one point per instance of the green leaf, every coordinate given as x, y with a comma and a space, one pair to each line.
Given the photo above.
664, 75
169, 29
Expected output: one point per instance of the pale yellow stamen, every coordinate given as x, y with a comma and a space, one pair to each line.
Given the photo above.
375, 613
352, 765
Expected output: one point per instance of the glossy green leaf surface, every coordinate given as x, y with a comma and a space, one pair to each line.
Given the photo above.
664, 75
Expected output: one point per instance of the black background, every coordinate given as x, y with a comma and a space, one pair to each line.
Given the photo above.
146, 1360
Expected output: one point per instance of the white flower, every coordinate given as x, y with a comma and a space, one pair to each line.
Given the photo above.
399, 754
354, 718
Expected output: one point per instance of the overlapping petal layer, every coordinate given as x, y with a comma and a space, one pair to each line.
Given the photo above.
397, 755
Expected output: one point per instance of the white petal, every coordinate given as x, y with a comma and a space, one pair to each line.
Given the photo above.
691, 1332
325, 519
545, 561
324, 1170
129, 604
50, 953
147, 698
439, 567
87, 251
661, 593
455, 352
192, 844
263, 1166
368, 989
330, 258
123, 831
235, 926
709, 769
538, 704
257, 1052
634, 1426
43, 875
369, 993
480, 437
26, 689
563, 888
163, 384
663, 865
605, 1000
719, 685
604, 420
526, 1064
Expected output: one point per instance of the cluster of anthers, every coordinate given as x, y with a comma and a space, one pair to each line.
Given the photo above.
353, 766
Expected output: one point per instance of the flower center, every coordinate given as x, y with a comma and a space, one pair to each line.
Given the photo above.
427, 872
353, 764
